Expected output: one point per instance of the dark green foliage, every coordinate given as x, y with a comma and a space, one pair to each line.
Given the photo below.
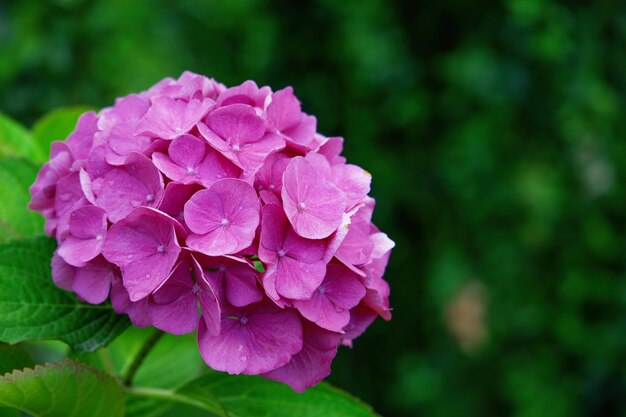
495, 135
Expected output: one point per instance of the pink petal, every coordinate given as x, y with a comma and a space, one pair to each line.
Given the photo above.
215, 167
312, 364
356, 249
88, 222
236, 277
314, 207
377, 295
273, 231
127, 112
297, 280
247, 156
138, 312
138, 183
62, 272
122, 143
270, 175
68, 193
285, 114
257, 340
81, 139
77, 251
247, 93
211, 311
320, 165
92, 282
175, 197
329, 305
171, 170
342, 287
354, 181
144, 246
299, 262
251, 155
191, 161
174, 307
223, 219
187, 150
360, 319
87, 228
237, 124
302, 136
331, 149
284, 111
169, 118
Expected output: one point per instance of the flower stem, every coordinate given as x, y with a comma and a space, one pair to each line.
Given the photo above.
141, 356
172, 396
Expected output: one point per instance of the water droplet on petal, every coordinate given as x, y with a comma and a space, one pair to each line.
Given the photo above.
148, 276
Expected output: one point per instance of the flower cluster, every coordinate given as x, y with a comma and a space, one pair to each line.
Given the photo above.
199, 207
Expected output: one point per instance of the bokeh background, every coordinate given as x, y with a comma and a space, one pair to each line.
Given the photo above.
496, 137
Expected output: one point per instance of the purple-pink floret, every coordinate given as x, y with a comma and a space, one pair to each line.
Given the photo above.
196, 207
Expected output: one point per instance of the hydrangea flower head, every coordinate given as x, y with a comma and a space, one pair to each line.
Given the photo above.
197, 207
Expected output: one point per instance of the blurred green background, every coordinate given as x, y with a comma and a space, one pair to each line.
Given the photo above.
495, 135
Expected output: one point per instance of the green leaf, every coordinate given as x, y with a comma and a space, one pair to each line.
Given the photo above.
16, 141
61, 389
33, 308
173, 362
242, 396
16, 221
56, 125
14, 357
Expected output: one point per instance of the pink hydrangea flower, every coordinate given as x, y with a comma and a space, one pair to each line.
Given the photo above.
197, 207
223, 218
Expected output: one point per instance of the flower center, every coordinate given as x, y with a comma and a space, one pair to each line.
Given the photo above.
243, 320
301, 207
281, 253
196, 288
222, 268
149, 198
224, 222
161, 248
99, 238
236, 148
190, 171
